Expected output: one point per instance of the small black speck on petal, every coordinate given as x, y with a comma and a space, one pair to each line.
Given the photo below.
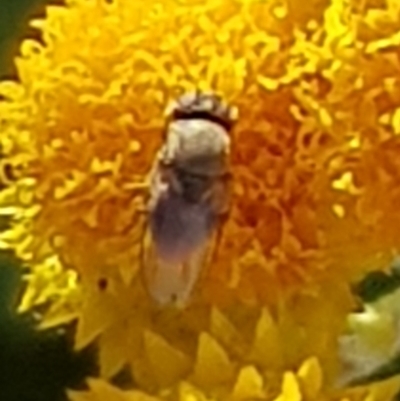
102, 284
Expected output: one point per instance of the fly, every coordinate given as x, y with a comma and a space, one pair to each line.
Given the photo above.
189, 195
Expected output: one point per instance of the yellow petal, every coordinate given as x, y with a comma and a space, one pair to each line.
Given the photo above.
168, 364
268, 83
99, 391
223, 330
102, 391
310, 377
385, 390
212, 364
188, 392
112, 350
249, 384
59, 313
98, 312
266, 348
290, 388
79, 396
139, 396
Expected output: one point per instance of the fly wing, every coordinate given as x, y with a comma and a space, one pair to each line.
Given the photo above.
175, 248
172, 283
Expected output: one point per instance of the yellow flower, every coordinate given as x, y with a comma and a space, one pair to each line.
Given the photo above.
315, 165
85, 120
303, 385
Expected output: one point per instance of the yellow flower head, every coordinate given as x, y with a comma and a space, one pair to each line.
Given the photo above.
315, 167
303, 385
86, 119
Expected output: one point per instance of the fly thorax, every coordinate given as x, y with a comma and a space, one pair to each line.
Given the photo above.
193, 139
198, 152
192, 187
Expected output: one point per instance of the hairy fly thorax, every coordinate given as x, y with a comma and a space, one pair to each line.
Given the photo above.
190, 194
194, 156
